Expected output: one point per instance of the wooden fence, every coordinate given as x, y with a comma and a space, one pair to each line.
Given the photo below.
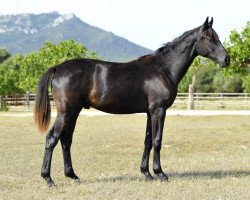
26, 100
214, 101
201, 101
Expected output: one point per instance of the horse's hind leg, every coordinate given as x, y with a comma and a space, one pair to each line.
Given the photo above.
63, 127
66, 141
51, 141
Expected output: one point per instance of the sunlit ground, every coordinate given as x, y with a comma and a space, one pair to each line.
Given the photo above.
205, 157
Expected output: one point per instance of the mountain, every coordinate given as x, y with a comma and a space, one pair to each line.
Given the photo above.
23, 33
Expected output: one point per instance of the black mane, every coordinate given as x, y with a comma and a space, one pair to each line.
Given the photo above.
168, 46
175, 42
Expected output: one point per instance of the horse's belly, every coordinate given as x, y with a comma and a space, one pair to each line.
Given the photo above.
122, 106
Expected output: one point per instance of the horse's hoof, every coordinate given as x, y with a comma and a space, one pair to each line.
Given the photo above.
51, 184
72, 176
162, 176
49, 181
77, 181
148, 176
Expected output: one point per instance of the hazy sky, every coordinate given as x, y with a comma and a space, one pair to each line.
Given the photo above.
149, 23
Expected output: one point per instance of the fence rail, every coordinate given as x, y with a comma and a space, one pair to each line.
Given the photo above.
210, 101
214, 101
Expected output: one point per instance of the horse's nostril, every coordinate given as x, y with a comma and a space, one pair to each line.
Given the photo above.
227, 60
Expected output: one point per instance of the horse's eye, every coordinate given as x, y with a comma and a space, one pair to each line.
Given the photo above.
206, 37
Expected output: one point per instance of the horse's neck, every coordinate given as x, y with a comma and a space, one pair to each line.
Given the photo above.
180, 58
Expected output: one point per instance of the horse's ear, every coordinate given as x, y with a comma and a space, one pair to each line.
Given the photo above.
210, 24
206, 24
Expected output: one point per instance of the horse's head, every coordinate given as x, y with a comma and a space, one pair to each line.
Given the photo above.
209, 45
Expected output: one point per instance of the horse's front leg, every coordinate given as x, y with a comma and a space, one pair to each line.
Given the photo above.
147, 149
157, 120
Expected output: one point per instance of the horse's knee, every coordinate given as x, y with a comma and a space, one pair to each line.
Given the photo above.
51, 140
51, 143
157, 144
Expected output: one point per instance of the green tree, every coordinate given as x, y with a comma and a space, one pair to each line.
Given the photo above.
194, 68
204, 79
187, 79
9, 77
238, 47
35, 64
4, 54
199, 66
246, 84
246, 80
223, 83
9, 81
10, 63
9, 84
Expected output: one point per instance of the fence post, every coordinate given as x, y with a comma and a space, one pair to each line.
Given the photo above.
246, 106
28, 100
191, 94
221, 101
190, 98
15, 99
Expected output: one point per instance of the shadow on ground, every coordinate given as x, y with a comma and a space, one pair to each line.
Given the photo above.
209, 174
173, 175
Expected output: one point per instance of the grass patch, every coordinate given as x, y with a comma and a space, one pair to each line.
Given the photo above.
205, 157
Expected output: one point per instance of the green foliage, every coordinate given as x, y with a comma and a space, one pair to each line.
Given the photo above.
4, 105
4, 54
9, 77
211, 79
183, 86
222, 83
238, 47
204, 79
9, 81
35, 64
246, 83
197, 64
10, 63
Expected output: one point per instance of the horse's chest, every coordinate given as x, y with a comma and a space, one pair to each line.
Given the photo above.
160, 92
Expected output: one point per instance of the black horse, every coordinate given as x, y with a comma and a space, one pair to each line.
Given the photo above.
146, 85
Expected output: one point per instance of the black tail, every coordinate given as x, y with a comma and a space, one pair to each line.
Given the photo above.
42, 104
